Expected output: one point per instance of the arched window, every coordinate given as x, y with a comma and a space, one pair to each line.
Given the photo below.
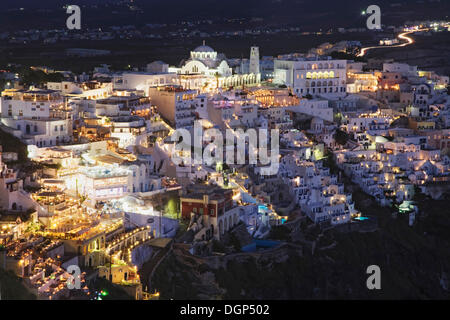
308, 75
331, 74
313, 84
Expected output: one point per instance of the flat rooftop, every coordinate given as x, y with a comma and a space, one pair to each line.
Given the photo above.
101, 172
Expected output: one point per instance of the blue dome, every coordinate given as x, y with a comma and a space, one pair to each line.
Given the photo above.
203, 49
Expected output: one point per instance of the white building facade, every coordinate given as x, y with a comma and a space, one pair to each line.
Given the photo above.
311, 75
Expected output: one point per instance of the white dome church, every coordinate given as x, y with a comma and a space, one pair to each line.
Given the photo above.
204, 60
206, 63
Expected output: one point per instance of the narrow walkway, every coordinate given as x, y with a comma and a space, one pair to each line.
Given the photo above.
149, 268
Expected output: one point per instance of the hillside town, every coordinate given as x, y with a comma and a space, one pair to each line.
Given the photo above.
90, 181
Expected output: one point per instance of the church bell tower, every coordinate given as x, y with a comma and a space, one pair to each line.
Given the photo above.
254, 60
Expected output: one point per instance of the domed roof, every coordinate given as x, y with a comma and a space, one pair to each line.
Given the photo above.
203, 48
316, 120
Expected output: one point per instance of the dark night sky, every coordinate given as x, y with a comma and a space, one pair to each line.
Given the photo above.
326, 13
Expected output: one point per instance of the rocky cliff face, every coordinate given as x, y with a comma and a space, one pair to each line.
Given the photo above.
414, 263
141, 254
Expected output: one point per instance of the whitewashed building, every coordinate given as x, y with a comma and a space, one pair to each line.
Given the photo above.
321, 75
37, 117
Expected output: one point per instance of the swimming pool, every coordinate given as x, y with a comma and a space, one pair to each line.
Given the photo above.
361, 218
